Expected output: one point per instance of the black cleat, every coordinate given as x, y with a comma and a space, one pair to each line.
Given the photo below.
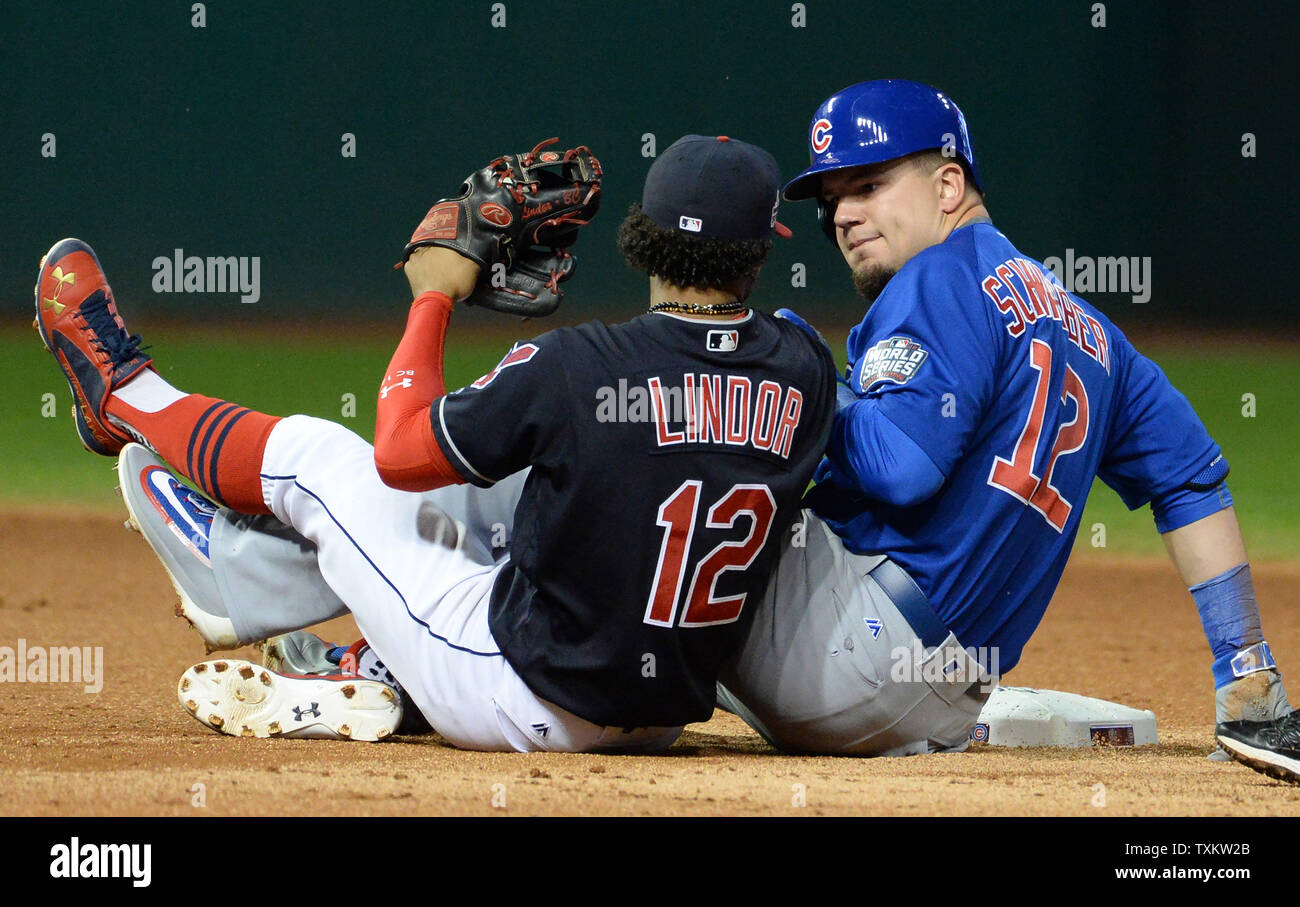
1271, 747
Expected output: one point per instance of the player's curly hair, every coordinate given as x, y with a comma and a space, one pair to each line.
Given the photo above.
704, 262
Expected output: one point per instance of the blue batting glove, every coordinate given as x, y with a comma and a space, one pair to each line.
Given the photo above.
844, 395
787, 315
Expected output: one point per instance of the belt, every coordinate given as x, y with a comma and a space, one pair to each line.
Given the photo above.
911, 602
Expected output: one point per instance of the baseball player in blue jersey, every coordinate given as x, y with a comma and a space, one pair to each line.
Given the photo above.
980, 402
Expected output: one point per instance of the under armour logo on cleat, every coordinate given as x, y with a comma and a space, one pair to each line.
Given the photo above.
314, 711
62, 279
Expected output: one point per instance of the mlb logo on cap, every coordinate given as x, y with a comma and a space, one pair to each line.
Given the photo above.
714, 186
722, 341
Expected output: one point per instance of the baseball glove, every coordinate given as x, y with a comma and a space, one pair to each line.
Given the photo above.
531, 287
516, 219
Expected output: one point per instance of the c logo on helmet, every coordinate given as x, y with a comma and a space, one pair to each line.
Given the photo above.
495, 214
821, 135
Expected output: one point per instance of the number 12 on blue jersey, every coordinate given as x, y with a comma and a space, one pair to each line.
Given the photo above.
1016, 476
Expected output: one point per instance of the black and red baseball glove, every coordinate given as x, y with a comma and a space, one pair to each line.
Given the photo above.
516, 218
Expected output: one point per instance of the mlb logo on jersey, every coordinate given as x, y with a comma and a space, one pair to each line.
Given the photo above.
722, 341
897, 359
693, 224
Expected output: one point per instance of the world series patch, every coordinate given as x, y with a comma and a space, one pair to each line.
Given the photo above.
897, 359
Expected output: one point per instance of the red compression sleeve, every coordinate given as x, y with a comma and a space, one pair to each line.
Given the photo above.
407, 455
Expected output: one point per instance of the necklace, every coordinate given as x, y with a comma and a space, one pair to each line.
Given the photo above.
731, 307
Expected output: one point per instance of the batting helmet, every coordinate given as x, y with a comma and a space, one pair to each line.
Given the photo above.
873, 122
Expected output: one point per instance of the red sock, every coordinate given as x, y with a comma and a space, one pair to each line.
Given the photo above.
216, 445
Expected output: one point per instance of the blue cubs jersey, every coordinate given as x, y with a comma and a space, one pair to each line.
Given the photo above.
1018, 394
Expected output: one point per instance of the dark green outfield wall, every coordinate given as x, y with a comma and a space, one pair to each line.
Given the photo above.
225, 140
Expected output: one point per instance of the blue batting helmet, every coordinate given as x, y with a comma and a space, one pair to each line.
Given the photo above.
873, 122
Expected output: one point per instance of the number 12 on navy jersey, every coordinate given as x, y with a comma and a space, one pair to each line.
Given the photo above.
678, 515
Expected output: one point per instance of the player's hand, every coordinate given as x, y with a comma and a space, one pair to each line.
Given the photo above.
797, 319
844, 394
441, 270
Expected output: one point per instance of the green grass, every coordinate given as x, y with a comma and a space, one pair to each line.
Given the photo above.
42, 463
1261, 449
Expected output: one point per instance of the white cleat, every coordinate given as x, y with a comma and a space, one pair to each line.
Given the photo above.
242, 699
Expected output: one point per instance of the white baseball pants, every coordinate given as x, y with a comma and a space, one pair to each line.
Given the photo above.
419, 588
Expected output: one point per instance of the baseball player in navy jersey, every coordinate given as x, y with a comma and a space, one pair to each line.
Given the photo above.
980, 402
642, 535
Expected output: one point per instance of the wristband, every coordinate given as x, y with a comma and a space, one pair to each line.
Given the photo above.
1249, 660
1230, 618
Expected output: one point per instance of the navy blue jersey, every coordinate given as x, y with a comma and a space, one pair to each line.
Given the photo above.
1020, 394
669, 457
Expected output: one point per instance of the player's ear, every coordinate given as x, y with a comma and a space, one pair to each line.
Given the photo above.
951, 185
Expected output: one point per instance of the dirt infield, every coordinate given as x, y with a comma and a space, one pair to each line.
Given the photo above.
1119, 628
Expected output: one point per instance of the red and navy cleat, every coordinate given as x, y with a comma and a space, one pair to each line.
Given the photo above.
79, 323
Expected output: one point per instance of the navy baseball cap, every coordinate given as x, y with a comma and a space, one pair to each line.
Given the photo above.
714, 186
